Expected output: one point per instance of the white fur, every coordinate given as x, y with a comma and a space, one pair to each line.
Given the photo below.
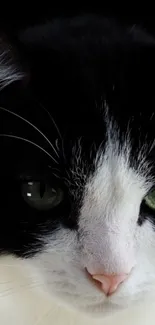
23, 301
109, 239
9, 70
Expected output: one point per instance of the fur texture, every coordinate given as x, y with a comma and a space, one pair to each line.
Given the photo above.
78, 118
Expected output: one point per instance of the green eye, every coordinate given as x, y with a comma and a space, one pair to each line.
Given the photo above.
150, 200
41, 196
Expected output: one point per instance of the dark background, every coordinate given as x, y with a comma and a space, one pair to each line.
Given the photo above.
34, 12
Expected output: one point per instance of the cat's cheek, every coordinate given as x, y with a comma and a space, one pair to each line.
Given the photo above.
140, 286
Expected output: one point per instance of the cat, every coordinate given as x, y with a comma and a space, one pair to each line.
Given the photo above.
77, 167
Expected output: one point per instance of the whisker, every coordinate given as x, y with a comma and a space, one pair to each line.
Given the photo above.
26, 140
57, 176
44, 317
57, 144
24, 287
56, 127
52, 119
32, 125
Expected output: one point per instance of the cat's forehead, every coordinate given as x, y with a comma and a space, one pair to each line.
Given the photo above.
120, 169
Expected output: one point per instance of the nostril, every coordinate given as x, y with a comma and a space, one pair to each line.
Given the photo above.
109, 283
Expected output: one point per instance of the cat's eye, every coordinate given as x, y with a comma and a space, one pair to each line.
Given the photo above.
41, 196
150, 200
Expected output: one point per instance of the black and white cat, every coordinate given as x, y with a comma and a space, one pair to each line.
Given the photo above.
77, 167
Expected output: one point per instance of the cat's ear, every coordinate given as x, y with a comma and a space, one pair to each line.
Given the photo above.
11, 68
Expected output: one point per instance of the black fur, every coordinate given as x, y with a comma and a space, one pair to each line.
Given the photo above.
73, 66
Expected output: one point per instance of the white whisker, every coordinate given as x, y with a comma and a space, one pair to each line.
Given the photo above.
56, 127
26, 140
44, 317
22, 287
57, 176
52, 119
57, 144
32, 125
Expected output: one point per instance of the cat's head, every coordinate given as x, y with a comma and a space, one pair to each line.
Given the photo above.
77, 164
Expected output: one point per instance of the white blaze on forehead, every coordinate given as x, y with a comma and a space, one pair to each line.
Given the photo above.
110, 209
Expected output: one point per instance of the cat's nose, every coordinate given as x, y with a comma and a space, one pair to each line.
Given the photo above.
109, 283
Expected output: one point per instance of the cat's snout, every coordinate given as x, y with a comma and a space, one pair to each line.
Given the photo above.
109, 283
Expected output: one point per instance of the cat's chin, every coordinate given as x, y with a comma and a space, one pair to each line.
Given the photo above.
105, 307
103, 310
95, 310
109, 308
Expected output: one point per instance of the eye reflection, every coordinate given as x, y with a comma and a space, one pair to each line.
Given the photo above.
41, 195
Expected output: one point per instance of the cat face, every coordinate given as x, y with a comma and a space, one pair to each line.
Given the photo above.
77, 165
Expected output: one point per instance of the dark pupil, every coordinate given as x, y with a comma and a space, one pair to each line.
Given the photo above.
42, 189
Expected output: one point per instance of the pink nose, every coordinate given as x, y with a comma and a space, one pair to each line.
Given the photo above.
109, 283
